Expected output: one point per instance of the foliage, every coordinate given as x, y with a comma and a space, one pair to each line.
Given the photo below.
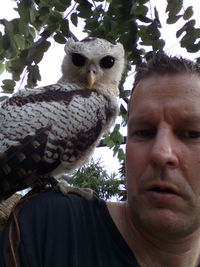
134, 23
114, 140
25, 39
94, 176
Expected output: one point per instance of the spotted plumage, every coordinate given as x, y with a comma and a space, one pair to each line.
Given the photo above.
50, 130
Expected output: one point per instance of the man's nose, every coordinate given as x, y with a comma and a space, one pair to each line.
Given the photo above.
164, 149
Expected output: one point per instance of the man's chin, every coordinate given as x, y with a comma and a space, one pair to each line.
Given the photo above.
165, 223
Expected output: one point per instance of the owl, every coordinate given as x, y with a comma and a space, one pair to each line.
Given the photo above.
50, 130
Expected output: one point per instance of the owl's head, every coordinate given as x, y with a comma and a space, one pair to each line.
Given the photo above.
93, 63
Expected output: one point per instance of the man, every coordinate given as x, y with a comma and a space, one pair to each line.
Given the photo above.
162, 223
159, 224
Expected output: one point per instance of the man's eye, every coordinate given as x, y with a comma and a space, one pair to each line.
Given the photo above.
191, 134
148, 133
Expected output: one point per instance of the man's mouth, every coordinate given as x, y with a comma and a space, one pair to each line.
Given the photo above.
163, 190
163, 194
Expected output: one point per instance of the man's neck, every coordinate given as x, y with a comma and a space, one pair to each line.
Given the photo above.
148, 249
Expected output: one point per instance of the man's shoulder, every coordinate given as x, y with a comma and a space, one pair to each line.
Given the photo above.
54, 198
53, 205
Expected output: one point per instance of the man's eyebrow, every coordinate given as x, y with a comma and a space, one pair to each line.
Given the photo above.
190, 119
139, 119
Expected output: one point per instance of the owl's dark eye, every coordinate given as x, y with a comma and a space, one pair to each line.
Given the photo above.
78, 59
107, 62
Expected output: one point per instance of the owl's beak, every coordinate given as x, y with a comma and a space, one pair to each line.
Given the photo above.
91, 76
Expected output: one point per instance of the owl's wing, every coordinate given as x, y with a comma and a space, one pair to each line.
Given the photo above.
49, 132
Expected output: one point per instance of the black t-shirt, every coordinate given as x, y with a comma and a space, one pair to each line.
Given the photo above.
70, 231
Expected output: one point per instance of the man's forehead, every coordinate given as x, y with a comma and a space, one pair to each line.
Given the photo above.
176, 93
179, 84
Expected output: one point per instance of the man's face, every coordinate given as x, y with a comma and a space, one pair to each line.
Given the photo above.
163, 155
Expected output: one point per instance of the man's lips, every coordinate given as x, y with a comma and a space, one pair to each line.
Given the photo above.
162, 192
163, 189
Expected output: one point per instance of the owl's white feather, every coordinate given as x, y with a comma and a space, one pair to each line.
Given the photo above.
52, 129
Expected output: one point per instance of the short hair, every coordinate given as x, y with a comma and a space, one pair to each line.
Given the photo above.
164, 64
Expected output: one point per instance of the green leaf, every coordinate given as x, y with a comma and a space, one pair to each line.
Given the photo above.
193, 48
108, 23
107, 141
157, 17
28, 3
173, 19
15, 65
34, 55
74, 19
59, 38
6, 42
174, 7
150, 34
54, 18
8, 86
37, 51
44, 11
33, 75
84, 10
32, 32
3, 98
92, 25
65, 3
2, 67
158, 44
144, 19
122, 108
186, 27
121, 154
144, 1
59, 6
188, 13
116, 136
44, 3
64, 27
22, 27
141, 10
19, 40
188, 39
8, 25
24, 11
16, 76
110, 143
